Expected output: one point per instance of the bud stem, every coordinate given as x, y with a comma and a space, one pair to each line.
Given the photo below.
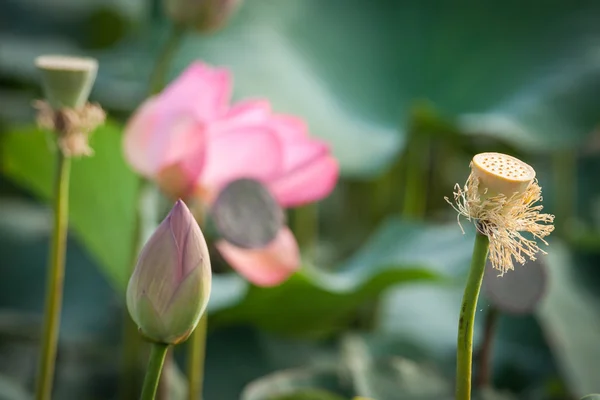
55, 279
158, 352
464, 349
196, 356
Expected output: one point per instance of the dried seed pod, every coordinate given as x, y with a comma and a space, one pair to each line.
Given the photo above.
501, 197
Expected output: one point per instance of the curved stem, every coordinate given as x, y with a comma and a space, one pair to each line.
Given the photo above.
464, 349
55, 279
196, 355
158, 352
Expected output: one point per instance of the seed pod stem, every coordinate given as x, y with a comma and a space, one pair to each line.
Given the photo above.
464, 349
55, 280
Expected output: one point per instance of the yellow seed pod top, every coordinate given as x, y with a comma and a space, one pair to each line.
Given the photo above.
501, 174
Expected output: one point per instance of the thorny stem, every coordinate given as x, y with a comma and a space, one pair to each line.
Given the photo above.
55, 279
196, 356
158, 352
131, 339
485, 351
464, 349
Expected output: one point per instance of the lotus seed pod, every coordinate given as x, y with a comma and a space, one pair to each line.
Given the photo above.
170, 286
501, 174
67, 81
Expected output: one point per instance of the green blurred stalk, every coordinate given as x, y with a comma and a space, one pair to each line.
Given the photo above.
306, 228
381, 192
417, 159
565, 177
158, 351
132, 342
55, 279
196, 355
464, 349
158, 78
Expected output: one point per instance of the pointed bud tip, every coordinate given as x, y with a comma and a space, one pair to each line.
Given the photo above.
180, 210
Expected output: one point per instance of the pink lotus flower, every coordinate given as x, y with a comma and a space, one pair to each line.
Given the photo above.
192, 143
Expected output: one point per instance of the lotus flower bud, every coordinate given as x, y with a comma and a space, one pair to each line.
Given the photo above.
170, 286
202, 15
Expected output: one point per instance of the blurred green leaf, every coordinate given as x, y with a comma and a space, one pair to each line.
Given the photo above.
316, 302
308, 394
102, 197
356, 70
591, 397
10, 390
297, 384
396, 377
569, 316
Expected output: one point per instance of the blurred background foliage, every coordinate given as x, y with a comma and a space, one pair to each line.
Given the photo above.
406, 92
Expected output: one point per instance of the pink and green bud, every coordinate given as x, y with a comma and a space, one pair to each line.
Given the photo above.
170, 287
201, 15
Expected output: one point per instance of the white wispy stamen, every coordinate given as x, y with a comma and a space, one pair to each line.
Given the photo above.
502, 219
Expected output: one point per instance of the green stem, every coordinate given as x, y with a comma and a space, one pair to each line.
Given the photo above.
163, 384
464, 349
417, 159
131, 339
565, 176
55, 279
306, 227
196, 355
165, 57
158, 351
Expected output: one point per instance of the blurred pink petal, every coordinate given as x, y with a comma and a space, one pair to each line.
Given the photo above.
184, 143
269, 266
289, 128
309, 172
201, 90
307, 183
246, 113
139, 133
166, 138
245, 152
